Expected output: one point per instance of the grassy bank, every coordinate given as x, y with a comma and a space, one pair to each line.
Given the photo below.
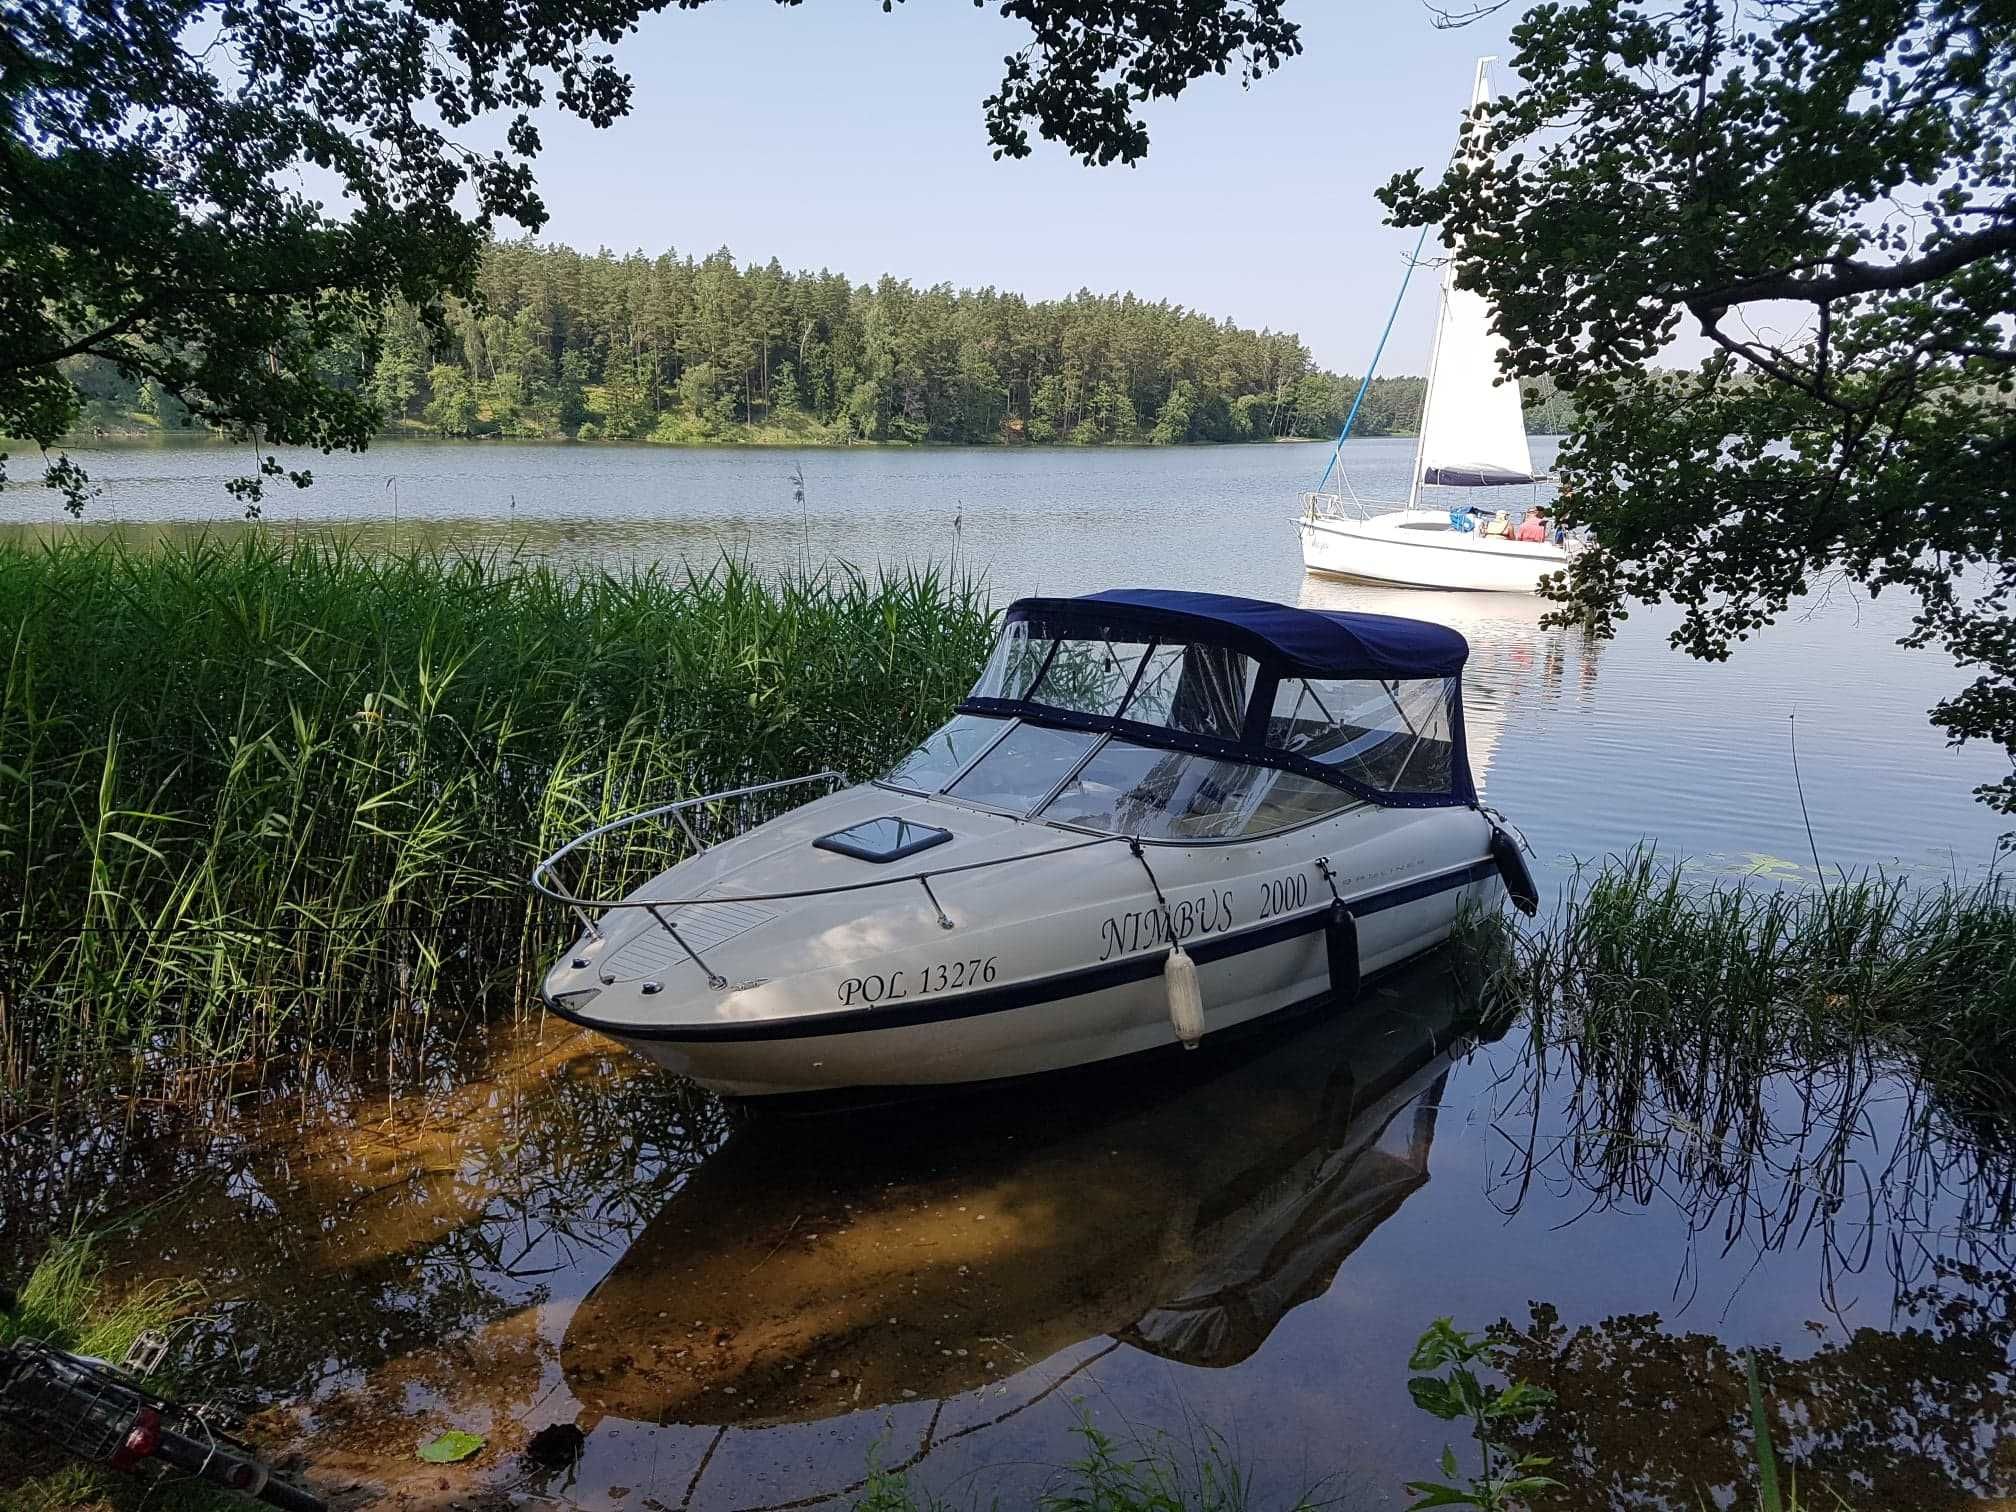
256, 795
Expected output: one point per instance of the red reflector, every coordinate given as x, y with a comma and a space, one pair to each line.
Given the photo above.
242, 1477
142, 1439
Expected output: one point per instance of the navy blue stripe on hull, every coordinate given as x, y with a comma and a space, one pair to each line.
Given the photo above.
1050, 989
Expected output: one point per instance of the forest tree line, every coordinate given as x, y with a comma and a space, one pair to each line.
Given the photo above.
674, 348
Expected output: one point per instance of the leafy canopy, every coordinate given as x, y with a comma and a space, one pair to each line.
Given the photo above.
1822, 190
153, 214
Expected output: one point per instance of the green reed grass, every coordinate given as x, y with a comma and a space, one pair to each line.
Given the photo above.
1638, 952
64, 1302
257, 795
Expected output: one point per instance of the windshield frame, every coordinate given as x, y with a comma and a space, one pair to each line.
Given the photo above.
1037, 812
1007, 723
1352, 804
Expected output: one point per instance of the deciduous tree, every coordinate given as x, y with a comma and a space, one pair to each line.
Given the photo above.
151, 158
1821, 190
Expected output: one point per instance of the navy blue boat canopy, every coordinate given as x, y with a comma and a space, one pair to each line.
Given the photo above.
1367, 703
1311, 642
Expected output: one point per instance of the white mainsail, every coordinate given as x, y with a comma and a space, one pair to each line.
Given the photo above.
1473, 427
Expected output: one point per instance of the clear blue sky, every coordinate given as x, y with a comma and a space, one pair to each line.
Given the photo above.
832, 135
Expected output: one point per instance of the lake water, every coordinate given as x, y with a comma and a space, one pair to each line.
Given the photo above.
528, 1228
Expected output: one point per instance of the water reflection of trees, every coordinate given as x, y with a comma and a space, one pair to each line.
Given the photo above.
1760, 1140
1918, 1416
1766, 1137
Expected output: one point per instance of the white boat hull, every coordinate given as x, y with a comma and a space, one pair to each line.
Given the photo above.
1051, 962
1416, 548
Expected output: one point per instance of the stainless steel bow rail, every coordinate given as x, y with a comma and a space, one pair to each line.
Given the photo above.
544, 884
1346, 505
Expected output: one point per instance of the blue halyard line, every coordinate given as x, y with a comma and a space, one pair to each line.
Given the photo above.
1366, 382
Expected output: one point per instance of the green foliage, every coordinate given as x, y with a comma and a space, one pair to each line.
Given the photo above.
1507, 1480
153, 215
1157, 1476
1822, 190
701, 395
149, 217
63, 1303
67, 1485
451, 406
451, 1447
1768, 1499
678, 349
297, 795
1082, 85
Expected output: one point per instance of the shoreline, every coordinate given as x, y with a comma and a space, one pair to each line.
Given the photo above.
111, 439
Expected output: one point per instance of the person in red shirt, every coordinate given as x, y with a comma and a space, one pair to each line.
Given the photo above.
1532, 528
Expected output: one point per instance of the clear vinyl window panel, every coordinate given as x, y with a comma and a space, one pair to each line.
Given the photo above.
1013, 665
1392, 735
1089, 674
1024, 768
1129, 789
942, 757
1195, 689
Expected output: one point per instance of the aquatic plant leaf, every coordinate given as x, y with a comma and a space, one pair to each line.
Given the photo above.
1431, 1394
1520, 1399
452, 1446
1767, 1460
409, 829
1439, 1345
1433, 1494
1466, 1391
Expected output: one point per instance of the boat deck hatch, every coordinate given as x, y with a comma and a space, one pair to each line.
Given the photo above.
881, 840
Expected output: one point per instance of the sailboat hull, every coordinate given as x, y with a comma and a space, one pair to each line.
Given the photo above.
1416, 548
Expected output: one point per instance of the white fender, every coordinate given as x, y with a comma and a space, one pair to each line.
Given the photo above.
1186, 998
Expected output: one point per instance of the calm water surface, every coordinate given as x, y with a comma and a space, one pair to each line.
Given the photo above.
527, 1228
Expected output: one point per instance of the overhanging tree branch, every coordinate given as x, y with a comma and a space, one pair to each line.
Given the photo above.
17, 362
1767, 361
1852, 278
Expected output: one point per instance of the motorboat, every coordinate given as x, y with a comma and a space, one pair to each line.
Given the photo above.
1158, 816
1472, 437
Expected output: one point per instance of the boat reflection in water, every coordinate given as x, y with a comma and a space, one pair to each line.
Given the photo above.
813, 1269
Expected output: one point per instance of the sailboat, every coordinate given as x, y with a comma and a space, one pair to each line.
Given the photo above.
1473, 436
